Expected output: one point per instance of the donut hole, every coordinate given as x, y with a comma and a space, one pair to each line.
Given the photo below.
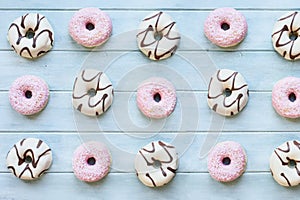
292, 163
90, 26
91, 161
28, 159
292, 97
28, 94
92, 92
158, 35
226, 161
227, 92
225, 26
29, 34
156, 164
157, 97
293, 36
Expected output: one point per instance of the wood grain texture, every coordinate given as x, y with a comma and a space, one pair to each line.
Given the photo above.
193, 128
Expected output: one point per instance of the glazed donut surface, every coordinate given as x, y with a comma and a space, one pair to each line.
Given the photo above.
31, 35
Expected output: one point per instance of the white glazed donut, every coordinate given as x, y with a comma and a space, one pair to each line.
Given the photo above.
285, 36
227, 92
31, 35
156, 164
284, 163
92, 92
158, 37
29, 158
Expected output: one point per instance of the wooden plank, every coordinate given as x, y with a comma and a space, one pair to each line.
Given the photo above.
125, 26
192, 148
188, 71
124, 115
189, 186
154, 4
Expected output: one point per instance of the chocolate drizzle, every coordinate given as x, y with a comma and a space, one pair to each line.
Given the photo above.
36, 29
151, 31
152, 160
98, 88
287, 29
35, 159
232, 88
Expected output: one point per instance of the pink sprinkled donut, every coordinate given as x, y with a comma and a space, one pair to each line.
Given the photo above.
286, 97
156, 98
225, 27
28, 94
91, 161
90, 27
227, 161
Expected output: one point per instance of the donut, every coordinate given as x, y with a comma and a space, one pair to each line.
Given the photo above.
227, 92
92, 92
284, 163
285, 36
286, 97
29, 158
91, 161
31, 35
90, 27
156, 98
156, 164
226, 161
225, 27
158, 36
28, 94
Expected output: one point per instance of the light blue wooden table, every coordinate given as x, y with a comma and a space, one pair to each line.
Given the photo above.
193, 128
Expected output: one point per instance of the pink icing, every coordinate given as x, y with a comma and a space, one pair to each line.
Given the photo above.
90, 38
145, 98
39, 90
87, 172
280, 97
225, 38
226, 173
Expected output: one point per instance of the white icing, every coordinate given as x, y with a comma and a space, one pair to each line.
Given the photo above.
158, 22
150, 174
84, 102
37, 150
227, 105
36, 46
284, 174
284, 26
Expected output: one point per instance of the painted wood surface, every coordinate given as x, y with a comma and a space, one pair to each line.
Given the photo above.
193, 128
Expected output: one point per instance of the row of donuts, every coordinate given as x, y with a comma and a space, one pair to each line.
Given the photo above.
93, 94
155, 164
31, 35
